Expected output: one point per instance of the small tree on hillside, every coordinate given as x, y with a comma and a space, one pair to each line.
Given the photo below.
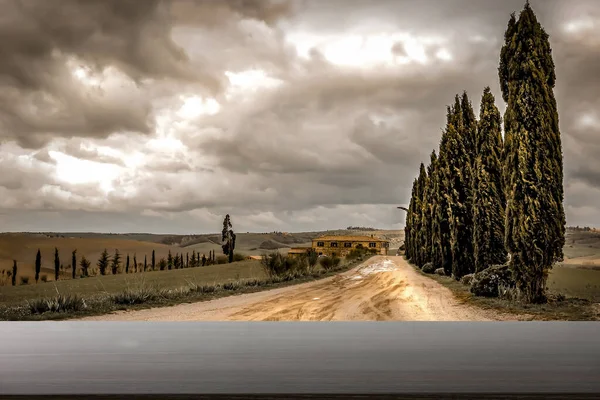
169, 261
85, 266
312, 258
145, 263
228, 238
56, 264
153, 261
135, 262
38, 265
14, 273
203, 260
187, 260
73, 264
116, 262
103, 262
127, 264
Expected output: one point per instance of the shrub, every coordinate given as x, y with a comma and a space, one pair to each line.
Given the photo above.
488, 282
326, 262
440, 271
204, 288
222, 259
60, 303
238, 257
276, 264
24, 280
467, 279
236, 285
139, 295
44, 278
428, 268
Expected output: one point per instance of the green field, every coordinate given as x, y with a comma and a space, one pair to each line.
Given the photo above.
116, 283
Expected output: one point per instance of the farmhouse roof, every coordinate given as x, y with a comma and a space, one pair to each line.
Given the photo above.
351, 238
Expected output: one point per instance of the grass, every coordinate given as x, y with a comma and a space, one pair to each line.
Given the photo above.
145, 294
559, 307
117, 283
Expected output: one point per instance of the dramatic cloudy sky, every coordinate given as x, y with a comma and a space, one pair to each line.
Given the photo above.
158, 116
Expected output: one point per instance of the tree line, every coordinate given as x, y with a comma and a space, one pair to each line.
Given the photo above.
485, 199
115, 264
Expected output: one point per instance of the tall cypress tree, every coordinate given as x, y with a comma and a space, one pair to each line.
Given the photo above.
38, 265
442, 248
488, 192
74, 264
127, 264
457, 181
533, 165
56, 264
153, 261
408, 225
420, 241
429, 209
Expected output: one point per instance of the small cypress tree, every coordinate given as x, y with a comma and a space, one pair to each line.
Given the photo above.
56, 264
488, 194
85, 266
127, 264
74, 264
14, 273
38, 265
145, 263
116, 262
181, 261
153, 261
410, 223
187, 260
169, 261
194, 263
103, 262
203, 260
135, 262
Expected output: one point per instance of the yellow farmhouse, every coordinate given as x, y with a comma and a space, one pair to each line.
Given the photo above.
341, 245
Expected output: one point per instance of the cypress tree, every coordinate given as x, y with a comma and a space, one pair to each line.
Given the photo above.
457, 181
135, 264
103, 262
127, 264
145, 262
409, 224
533, 165
56, 264
428, 210
488, 192
181, 261
14, 273
85, 266
419, 240
187, 260
38, 265
74, 264
153, 261
442, 254
116, 262
169, 261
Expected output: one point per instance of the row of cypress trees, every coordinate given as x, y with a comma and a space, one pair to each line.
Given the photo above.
483, 199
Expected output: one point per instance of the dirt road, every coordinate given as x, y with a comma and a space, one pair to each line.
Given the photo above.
383, 288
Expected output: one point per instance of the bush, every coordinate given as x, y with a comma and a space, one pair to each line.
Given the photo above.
44, 278
204, 288
236, 285
139, 295
486, 283
276, 264
222, 259
238, 257
60, 303
329, 263
24, 280
467, 279
428, 268
440, 271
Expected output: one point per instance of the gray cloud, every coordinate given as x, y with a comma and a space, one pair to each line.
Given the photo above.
328, 147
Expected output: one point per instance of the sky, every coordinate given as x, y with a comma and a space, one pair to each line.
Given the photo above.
163, 116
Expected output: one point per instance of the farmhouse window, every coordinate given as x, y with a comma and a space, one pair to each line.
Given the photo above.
320, 244
372, 244
333, 244
348, 244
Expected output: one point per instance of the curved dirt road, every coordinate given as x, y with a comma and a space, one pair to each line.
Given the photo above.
383, 288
